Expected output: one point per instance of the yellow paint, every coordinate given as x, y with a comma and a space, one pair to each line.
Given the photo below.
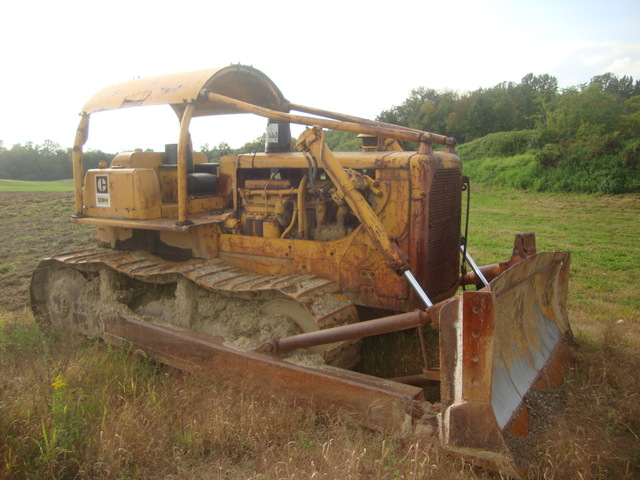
181, 89
126, 193
137, 160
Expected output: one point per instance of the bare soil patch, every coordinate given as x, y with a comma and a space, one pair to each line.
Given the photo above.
34, 225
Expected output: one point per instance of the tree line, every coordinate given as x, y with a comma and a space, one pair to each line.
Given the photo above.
607, 103
603, 104
48, 161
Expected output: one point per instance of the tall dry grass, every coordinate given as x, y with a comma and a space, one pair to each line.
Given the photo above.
594, 435
74, 408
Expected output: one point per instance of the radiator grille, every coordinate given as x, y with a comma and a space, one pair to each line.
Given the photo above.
444, 231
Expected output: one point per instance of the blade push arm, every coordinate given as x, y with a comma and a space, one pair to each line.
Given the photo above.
312, 141
343, 123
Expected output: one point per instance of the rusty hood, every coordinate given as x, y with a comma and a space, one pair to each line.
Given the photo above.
178, 90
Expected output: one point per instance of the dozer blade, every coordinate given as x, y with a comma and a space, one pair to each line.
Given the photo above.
497, 344
376, 403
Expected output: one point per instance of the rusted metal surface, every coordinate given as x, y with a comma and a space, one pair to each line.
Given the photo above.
394, 213
435, 190
369, 328
380, 404
180, 92
466, 349
444, 188
436, 184
533, 293
180, 89
451, 142
524, 246
353, 263
312, 141
497, 344
428, 377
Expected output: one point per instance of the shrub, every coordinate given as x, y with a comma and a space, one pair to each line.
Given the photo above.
593, 161
631, 155
502, 144
549, 155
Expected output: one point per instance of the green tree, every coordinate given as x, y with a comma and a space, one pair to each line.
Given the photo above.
256, 145
480, 116
214, 153
630, 122
624, 86
587, 108
410, 113
45, 162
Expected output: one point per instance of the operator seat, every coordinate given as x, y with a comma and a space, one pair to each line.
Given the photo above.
202, 178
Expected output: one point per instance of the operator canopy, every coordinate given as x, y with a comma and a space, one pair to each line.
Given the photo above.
240, 82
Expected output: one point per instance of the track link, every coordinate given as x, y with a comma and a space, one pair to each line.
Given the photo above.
80, 289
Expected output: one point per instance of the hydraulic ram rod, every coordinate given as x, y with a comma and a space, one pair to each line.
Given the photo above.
474, 266
417, 288
368, 328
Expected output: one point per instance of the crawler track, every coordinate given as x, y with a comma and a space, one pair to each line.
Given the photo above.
81, 289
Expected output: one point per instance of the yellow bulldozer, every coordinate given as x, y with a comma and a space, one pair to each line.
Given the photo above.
318, 275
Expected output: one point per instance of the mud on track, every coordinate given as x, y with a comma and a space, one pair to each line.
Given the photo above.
34, 225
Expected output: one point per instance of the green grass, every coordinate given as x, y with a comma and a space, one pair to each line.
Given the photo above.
23, 186
601, 233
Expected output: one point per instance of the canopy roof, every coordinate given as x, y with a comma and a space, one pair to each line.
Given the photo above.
240, 82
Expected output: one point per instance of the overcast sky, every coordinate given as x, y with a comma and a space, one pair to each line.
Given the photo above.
353, 57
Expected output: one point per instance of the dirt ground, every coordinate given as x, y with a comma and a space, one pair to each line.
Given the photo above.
34, 225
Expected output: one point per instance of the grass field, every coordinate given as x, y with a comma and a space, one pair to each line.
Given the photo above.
23, 186
76, 408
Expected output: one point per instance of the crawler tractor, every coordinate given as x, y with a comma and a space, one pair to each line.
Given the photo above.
339, 278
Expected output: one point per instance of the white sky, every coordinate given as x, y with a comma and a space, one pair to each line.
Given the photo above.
356, 57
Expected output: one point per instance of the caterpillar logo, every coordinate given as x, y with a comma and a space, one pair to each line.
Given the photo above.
102, 191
